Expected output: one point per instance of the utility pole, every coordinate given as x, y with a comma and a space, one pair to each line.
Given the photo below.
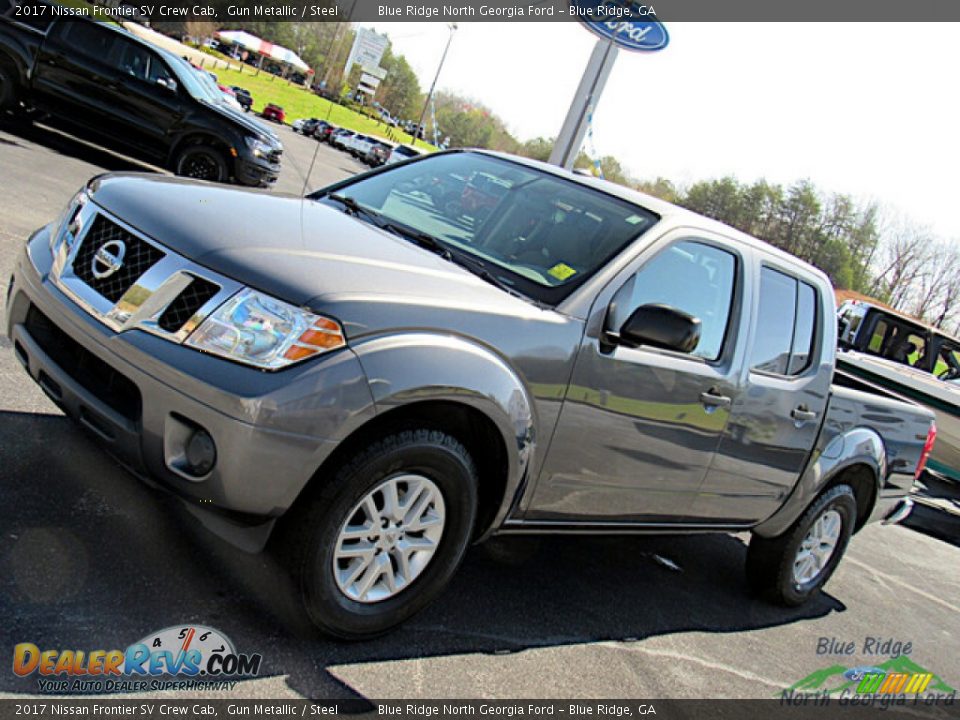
416, 131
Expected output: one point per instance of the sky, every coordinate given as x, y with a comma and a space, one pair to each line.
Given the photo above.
867, 109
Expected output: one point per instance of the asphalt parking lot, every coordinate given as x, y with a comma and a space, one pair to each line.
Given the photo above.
91, 558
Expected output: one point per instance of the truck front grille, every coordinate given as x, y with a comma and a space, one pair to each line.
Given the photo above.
138, 257
186, 304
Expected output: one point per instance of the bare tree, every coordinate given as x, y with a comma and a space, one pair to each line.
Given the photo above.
903, 251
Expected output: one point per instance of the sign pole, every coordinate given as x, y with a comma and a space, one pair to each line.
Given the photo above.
595, 75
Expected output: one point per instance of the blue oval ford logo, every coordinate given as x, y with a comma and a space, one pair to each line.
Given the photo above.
626, 23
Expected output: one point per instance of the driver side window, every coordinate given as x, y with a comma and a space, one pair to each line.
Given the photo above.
690, 276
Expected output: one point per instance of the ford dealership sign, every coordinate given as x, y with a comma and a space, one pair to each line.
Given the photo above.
630, 25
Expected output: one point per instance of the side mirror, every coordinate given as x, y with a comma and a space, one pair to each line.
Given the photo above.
661, 326
168, 83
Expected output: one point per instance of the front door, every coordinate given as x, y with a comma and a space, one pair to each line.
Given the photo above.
639, 426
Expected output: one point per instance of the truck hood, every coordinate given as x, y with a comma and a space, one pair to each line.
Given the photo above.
248, 123
296, 249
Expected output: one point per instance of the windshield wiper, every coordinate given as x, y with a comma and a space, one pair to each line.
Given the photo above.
428, 242
354, 208
480, 270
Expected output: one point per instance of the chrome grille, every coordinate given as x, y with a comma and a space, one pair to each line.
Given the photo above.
186, 304
161, 292
138, 258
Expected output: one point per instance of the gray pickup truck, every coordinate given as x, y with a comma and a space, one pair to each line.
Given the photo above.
372, 382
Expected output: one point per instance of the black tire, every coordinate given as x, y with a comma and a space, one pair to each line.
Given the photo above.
8, 87
201, 162
309, 536
770, 561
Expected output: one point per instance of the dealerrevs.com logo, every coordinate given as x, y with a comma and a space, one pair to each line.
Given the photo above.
186, 657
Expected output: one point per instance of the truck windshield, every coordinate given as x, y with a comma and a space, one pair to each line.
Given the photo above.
540, 234
193, 80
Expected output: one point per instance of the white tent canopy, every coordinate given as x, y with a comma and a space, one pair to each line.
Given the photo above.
263, 47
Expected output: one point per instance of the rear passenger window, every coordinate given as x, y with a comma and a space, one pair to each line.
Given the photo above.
90, 39
133, 60
690, 276
802, 353
784, 336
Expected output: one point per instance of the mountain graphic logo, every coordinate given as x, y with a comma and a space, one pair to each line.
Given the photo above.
896, 675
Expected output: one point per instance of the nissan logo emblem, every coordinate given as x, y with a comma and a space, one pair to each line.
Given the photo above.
108, 259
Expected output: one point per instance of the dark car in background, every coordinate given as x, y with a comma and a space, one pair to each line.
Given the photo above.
98, 80
243, 97
325, 132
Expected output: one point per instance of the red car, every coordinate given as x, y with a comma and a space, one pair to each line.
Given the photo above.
275, 113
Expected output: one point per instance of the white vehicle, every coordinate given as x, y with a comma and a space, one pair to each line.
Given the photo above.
403, 152
341, 137
351, 143
362, 145
298, 125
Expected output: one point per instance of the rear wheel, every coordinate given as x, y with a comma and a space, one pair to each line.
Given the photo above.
791, 568
201, 162
384, 535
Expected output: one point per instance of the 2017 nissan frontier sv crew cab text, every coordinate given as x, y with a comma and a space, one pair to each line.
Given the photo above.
378, 374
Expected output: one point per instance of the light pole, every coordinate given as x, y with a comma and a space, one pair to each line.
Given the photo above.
416, 131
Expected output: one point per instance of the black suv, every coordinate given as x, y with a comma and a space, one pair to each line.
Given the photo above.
102, 81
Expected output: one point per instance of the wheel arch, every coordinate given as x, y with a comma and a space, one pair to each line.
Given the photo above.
201, 137
856, 458
470, 426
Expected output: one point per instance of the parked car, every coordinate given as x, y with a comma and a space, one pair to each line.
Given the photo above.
297, 124
378, 153
243, 97
403, 152
611, 363
339, 137
324, 131
274, 112
361, 145
101, 82
310, 126
911, 358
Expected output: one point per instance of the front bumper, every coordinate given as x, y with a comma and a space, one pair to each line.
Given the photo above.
256, 172
272, 431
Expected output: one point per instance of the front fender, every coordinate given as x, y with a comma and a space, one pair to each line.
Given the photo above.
859, 446
415, 367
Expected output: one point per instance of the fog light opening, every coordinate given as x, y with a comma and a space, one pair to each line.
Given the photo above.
200, 453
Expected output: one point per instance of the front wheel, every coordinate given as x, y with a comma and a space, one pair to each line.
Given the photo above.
382, 537
791, 568
201, 162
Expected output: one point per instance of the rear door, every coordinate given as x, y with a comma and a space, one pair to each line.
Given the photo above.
147, 104
639, 426
73, 78
775, 421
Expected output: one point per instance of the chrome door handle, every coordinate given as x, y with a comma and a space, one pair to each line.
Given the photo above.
711, 398
802, 415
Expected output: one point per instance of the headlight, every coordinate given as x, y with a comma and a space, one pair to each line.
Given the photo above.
68, 222
267, 333
258, 147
